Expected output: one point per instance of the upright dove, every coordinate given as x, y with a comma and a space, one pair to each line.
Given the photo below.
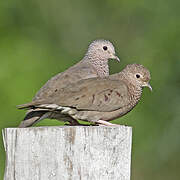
93, 64
96, 100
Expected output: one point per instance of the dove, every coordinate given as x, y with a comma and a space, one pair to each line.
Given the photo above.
97, 100
93, 64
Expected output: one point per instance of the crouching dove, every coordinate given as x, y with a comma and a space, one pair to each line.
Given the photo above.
94, 64
96, 100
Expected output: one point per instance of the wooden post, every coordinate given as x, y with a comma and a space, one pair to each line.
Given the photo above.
68, 153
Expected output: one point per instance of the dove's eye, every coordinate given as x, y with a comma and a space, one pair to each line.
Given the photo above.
105, 48
138, 76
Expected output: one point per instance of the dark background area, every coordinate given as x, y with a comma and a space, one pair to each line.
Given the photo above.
39, 38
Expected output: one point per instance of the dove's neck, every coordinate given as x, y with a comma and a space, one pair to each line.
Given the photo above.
134, 89
100, 65
135, 92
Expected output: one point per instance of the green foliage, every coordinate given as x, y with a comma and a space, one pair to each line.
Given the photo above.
41, 38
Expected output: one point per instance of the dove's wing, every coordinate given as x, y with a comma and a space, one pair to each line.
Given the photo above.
93, 94
81, 70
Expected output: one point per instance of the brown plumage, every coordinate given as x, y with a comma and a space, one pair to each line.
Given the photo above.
94, 64
96, 100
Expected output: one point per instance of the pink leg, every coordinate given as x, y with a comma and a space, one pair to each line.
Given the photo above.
101, 122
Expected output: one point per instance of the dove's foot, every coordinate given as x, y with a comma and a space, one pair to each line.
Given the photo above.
74, 122
105, 123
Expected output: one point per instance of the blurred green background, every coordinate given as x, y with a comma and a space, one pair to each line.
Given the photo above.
39, 38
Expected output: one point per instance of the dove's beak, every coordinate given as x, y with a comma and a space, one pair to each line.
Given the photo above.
117, 58
148, 85
113, 56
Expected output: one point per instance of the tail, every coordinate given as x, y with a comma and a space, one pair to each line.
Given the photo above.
25, 106
30, 105
31, 118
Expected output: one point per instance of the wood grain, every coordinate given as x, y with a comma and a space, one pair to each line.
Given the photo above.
68, 153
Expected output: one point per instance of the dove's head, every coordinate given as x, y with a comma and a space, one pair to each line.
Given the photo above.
101, 50
138, 74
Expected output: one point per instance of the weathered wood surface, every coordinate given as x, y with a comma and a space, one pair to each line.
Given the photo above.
68, 153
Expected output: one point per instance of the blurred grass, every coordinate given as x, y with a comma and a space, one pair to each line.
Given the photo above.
38, 39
